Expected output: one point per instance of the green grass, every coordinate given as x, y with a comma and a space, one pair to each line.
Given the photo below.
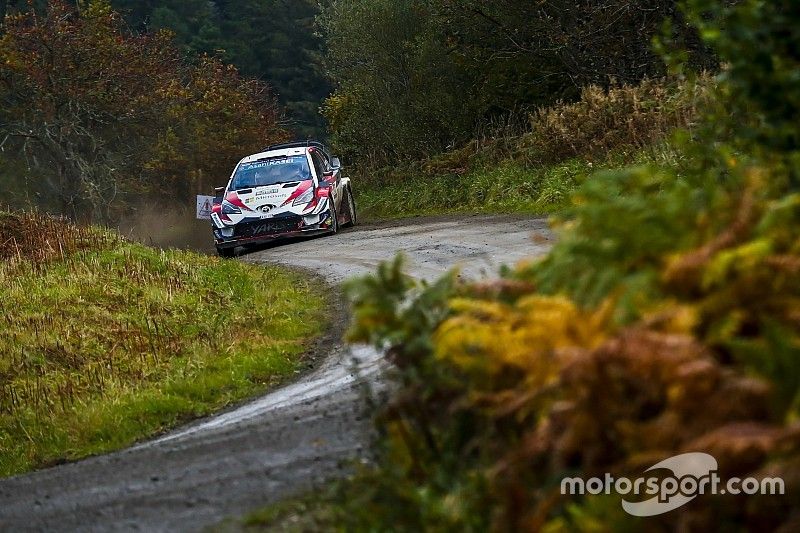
112, 342
510, 186
317, 511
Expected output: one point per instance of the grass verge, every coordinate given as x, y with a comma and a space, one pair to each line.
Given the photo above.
104, 342
510, 186
534, 170
308, 512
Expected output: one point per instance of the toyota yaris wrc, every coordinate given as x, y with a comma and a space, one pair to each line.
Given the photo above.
286, 191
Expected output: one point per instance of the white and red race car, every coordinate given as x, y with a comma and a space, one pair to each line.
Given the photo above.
285, 191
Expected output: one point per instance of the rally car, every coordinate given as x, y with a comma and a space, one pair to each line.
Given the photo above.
285, 191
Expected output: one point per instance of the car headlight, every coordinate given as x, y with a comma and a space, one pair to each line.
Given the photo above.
304, 198
230, 209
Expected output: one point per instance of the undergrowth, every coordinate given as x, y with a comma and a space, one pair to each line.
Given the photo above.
665, 321
535, 169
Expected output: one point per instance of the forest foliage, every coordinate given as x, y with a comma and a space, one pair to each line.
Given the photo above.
92, 116
273, 41
418, 77
411, 79
665, 320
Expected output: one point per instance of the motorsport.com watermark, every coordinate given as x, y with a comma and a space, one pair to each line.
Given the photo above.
693, 474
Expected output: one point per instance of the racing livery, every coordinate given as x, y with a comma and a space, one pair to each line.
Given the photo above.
285, 191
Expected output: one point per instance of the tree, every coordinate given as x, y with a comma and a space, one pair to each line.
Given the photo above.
272, 40
568, 44
276, 40
399, 92
430, 72
99, 113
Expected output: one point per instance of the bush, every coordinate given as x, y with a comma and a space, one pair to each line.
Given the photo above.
536, 171
664, 321
625, 117
37, 239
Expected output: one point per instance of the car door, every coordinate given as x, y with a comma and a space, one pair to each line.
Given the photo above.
331, 177
337, 182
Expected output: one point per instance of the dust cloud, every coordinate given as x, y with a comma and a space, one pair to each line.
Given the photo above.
168, 227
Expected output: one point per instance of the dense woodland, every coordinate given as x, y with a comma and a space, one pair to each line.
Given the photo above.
416, 77
394, 80
271, 40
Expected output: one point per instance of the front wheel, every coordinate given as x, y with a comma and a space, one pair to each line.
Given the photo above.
226, 252
351, 210
334, 218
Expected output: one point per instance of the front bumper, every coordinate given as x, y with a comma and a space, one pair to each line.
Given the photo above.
266, 230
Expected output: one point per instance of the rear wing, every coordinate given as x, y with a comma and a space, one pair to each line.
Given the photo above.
298, 144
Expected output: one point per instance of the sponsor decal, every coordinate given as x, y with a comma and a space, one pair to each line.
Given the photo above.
303, 187
273, 162
234, 199
277, 226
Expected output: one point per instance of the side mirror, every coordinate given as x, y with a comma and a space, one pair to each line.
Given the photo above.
335, 163
219, 192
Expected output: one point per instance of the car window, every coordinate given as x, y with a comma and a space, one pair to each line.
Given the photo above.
271, 171
319, 165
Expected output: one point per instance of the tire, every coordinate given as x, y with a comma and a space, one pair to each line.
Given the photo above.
352, 217
335, 218
227, 253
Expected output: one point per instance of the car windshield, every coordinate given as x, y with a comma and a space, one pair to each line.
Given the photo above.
270, 172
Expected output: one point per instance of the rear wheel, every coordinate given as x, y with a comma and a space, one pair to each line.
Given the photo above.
226, 252
352, 218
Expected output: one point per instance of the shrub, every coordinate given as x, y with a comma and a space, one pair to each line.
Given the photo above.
664, 321
536, 171
37, 239
603, 123
624, 117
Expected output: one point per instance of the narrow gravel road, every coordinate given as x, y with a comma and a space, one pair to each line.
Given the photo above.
282, 443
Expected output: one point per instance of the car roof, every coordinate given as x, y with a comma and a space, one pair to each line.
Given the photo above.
298, 144
287, 149
273, 153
